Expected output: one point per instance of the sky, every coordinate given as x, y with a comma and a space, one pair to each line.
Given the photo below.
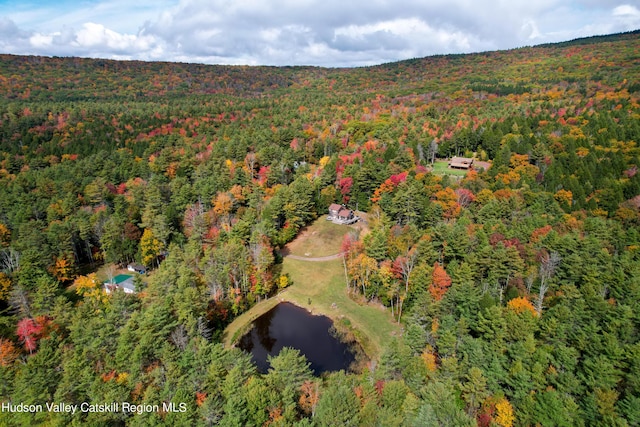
331, 33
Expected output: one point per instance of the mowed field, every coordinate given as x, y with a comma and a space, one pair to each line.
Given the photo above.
320, 287
442, 168
321, 238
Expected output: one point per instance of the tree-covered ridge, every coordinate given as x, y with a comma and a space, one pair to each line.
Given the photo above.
517, 286
76, 79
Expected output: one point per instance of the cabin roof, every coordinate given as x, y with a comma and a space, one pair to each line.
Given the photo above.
120, 278
461, 162
344, 212
123, 281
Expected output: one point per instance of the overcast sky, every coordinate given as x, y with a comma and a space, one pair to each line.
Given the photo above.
299, 32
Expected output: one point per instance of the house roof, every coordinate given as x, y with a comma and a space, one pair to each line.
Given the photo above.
119, 279
335, 207
128, 285
124, 281
344, 212
461, 162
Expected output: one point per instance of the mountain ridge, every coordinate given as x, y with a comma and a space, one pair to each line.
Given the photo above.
178, 78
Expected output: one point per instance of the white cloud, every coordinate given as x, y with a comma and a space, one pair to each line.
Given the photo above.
93, 35
626, 10
290, 32
627, 16
41, 41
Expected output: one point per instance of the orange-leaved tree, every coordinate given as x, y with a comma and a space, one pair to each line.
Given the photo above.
440, 282
522, 305
8, 352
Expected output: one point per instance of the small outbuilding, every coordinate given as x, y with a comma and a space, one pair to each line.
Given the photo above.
137, 268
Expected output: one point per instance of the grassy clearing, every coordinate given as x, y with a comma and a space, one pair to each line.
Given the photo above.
442, 168
320, 288
321, 238
324, 284
103, 273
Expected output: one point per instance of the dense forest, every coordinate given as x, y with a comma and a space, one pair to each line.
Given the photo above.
516, 284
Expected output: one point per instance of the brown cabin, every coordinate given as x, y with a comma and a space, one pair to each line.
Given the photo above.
461, 163
340, 214
345, 214
334, 209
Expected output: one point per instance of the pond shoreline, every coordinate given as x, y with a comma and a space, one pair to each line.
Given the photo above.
341, 326
319, 287
328, 345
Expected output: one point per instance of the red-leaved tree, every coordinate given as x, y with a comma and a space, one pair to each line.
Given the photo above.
440, 282
30, 330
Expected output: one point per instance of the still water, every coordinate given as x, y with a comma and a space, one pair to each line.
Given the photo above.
287, 325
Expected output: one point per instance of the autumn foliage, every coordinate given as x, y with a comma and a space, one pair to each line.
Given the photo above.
504, 413
205, 173
440, 282
8, 352
5, 286
309, 396
5, 235
29, 331
521, 305
200, 398
62, 269
429, 357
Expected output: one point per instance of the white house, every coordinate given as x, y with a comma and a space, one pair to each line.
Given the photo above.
124, 282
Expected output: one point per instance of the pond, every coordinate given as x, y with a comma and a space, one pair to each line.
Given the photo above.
287, 325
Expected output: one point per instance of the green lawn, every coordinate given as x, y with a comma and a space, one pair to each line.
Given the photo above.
321, 238
442, 168
322, 284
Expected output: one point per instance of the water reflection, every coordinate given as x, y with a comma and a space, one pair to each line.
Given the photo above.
287, 325
262, 326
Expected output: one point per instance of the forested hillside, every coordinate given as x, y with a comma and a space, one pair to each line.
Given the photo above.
516, 284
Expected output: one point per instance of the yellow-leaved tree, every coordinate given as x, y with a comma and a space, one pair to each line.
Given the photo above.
89, 287
5, 286
62, 268
283, 281
150, 247
504, 413
5, 235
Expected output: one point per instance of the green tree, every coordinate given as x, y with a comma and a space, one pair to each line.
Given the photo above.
287, 372
338, 404
474, 390
440, 409
375, 244
236, 412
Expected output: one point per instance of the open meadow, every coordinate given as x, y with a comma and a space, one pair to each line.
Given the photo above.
320, 287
